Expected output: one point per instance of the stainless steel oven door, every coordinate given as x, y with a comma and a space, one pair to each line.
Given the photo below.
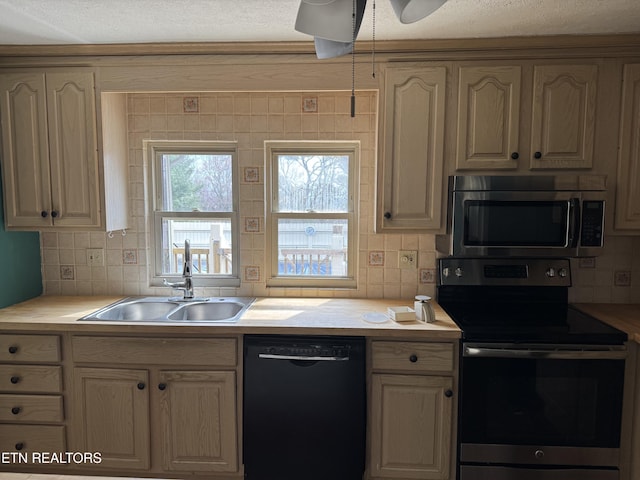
541, 404
512, 473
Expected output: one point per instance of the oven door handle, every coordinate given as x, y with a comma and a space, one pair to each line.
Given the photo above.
604, 353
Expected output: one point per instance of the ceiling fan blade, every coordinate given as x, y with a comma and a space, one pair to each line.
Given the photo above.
330, 20
409, 11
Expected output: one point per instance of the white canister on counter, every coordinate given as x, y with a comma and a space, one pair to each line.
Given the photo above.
424, 310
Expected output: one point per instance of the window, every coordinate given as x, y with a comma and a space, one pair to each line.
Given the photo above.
193, 196
311, 204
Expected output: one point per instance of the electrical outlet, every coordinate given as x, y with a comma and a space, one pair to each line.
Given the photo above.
95, 257
407, 258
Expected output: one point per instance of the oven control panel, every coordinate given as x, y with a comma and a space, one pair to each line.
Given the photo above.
554, 272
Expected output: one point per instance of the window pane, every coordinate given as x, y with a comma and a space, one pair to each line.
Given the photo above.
313, 183
312, 247
197, 182
210, 242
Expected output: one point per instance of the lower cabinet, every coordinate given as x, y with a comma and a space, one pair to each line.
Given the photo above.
175, 416
411, 411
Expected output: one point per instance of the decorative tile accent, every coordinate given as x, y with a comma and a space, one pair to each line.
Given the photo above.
251, 174
427, 275
130, 257
310, 104
67, 272
376, 259
190, 105
622, 278
251, 273
588, 262
252, 224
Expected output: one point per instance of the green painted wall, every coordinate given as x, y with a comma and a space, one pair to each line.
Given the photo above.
20, 274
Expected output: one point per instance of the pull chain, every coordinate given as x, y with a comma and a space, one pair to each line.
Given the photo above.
353, 61
373, 44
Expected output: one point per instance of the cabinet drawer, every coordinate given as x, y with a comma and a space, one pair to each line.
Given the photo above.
32, 438
158, 351
412, 356
29, 348
30, 378
31, 408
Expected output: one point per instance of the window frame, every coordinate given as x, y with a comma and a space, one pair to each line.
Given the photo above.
273, 149
153, 151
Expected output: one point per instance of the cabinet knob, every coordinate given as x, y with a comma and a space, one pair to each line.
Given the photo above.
515, 155
413, 358
44, 214
448, 393
387, 215
141, 385
13, 349
15, 379
54, 214
537, 155
15, 410
19, 446
162, 386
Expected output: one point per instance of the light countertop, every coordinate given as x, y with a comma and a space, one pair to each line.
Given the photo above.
623, 316
312, 316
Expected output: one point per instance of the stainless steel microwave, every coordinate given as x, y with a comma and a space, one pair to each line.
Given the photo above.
543, 215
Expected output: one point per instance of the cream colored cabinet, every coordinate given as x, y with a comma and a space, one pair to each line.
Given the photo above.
627, 210
410, 163
183, 389
488, 117
52, 175
112, 406
31, 395
50, 149
411, 410
559, 118
198, 414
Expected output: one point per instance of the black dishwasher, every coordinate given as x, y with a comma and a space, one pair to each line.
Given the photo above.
304, 407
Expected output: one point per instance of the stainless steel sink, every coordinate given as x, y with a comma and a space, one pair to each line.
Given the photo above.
172, 309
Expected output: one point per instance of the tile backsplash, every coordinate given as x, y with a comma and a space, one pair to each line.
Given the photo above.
250, 119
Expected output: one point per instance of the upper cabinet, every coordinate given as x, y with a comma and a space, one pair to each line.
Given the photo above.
410, 162
627, 214
563, 116
51, 170
494, 118
488, 117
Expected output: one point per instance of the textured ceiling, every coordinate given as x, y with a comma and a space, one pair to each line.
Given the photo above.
31, 22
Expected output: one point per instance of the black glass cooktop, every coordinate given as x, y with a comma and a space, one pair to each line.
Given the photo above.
531, 323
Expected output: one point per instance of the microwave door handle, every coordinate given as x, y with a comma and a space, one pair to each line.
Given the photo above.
573, 223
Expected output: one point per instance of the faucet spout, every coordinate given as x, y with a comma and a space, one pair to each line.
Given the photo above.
187, 279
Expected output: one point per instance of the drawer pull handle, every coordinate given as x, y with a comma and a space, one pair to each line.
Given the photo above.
448, 393
15, 410
15, 379
19, 446
13, 349
162, 386
413, 358
141, 386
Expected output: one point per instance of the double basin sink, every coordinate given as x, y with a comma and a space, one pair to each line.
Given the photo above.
173, 309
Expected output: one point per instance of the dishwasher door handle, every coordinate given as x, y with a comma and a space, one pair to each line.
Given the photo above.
270, 356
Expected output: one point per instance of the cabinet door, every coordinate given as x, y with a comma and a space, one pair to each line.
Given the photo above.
628, 190
25, 148
411, 419
73, 148
199, 421
411, 161
488, 117
563, 116
112, 411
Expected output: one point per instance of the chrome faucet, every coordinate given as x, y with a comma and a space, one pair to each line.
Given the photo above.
187, 280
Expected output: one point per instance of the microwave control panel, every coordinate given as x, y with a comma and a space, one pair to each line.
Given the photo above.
592, 223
